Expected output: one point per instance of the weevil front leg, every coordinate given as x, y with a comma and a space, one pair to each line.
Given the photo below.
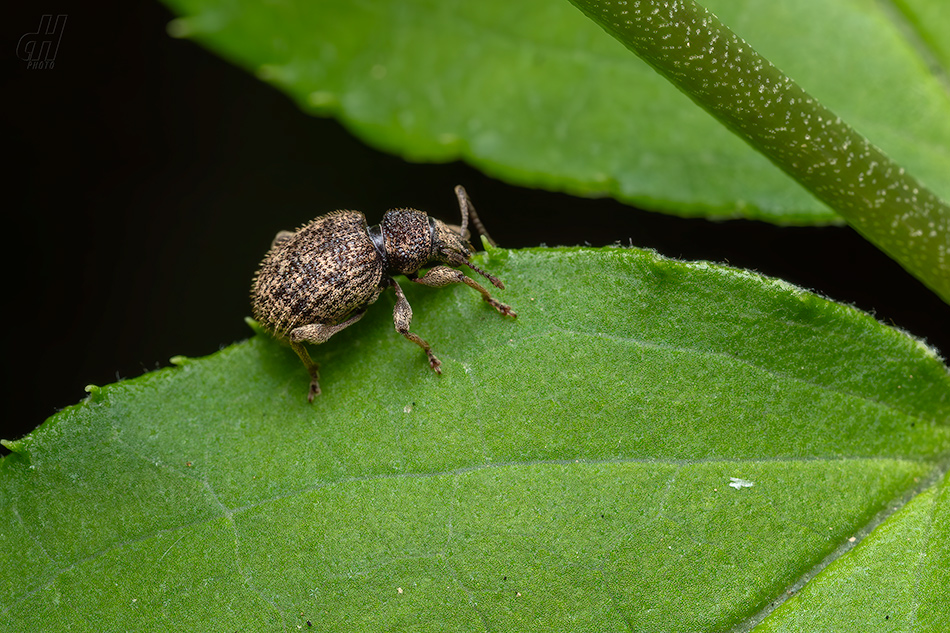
402, 317
316, 333
443, 275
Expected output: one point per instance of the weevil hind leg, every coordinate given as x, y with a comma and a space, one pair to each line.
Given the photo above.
402, 317
316, 333
439, 276
312, 368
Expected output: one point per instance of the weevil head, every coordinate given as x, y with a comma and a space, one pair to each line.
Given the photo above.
450, 244
408, 240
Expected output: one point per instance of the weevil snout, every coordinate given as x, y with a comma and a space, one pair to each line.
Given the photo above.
450, 244
454, 248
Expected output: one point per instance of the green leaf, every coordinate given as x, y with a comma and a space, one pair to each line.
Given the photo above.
533, 93
652, 444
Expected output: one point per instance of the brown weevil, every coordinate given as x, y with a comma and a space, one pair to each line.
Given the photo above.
321, 278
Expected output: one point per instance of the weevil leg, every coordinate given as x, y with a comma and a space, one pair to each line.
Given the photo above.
312, 368
316, 333
439, 276
402, 317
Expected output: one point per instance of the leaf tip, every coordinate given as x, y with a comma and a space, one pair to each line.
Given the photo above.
254, 325
179, 28
493, 254
14, 446
95, 394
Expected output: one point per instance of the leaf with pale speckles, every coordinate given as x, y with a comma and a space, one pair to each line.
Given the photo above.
652, 445
535, 94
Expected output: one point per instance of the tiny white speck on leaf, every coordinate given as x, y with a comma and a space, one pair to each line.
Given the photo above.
737, 483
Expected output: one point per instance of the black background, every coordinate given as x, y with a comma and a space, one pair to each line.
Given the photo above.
147, 177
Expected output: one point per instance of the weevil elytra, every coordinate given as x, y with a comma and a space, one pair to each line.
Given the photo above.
321, 278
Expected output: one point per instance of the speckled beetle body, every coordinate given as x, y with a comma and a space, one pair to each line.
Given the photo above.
320, 279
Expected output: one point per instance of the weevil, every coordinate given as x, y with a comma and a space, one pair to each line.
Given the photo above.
321, 278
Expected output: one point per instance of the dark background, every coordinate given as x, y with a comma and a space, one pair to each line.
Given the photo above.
147, 177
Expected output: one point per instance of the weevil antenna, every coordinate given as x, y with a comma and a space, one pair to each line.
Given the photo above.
468, 210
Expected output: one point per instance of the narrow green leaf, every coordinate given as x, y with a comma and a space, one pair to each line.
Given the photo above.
652, 444
535, 94
726, 76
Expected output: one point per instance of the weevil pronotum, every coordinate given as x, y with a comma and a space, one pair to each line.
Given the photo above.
321, 278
